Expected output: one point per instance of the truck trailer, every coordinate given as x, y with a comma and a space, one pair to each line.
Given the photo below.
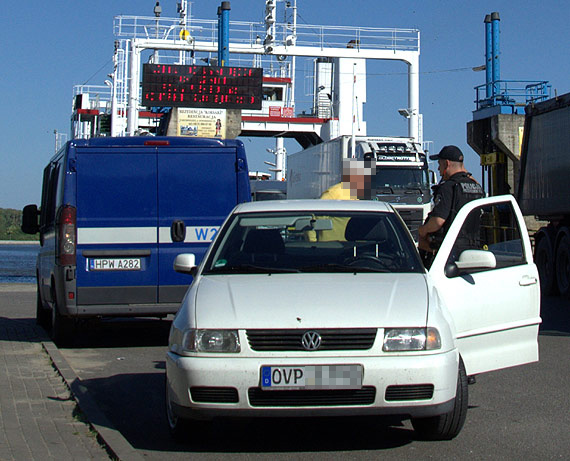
402, 174
544, 189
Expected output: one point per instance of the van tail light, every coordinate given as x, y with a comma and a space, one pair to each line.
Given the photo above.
67, 236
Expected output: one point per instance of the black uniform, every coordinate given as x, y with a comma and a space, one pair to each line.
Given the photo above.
449, 197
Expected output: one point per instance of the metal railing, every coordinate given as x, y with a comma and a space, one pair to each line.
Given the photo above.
252, 33
514, 93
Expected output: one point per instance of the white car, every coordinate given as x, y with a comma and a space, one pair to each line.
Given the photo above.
315, 307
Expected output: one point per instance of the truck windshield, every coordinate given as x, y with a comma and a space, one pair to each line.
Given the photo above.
294, 242
400, 178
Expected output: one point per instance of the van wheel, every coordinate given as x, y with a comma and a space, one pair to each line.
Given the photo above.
42, 314
448, 425
62, 328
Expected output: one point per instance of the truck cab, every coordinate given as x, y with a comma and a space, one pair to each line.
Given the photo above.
402, 176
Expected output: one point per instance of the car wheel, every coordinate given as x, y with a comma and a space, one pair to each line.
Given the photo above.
42, 314
448, 425
180, 428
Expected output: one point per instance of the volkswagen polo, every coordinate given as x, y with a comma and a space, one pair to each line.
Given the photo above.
315, 308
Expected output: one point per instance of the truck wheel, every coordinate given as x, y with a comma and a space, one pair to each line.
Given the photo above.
563, 265
544, 259
42, 314
448, 425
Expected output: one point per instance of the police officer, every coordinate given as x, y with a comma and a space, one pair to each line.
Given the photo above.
456, 189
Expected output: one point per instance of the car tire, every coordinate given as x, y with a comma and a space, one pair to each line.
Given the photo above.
180, 428
42, 314
448, 425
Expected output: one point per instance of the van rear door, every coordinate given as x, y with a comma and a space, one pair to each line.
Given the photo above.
197, 189
117, 260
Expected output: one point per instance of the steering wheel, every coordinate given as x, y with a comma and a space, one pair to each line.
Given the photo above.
365, 261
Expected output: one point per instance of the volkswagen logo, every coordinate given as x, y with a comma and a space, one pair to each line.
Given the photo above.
311, 340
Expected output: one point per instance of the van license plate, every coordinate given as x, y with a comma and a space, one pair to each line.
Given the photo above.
311, 377
115, 264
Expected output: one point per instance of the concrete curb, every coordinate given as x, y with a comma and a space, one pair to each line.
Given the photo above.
114, 442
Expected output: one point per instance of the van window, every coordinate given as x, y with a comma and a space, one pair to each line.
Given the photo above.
45, 194
49, 195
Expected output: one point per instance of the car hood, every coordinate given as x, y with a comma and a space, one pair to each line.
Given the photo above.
311, 300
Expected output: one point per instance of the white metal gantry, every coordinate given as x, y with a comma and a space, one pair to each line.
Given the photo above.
136, 34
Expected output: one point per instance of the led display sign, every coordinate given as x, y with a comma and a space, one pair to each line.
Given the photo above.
202, 86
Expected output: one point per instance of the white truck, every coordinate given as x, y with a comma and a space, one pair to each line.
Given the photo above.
402, 174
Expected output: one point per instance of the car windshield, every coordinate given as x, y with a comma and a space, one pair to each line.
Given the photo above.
400, 178
295, 242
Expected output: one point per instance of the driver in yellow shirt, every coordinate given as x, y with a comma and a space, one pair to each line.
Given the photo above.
355, 185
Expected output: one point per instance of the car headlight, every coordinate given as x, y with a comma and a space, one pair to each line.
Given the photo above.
411, 339
222, 341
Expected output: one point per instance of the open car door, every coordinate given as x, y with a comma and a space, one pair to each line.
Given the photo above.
485, 274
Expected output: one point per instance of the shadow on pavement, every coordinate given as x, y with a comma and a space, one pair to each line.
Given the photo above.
555, 313
134, 403
21, 330
120, 332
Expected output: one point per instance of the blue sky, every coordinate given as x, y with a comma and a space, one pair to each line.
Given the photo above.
47, 47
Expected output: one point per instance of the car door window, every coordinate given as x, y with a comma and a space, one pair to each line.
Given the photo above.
492, 228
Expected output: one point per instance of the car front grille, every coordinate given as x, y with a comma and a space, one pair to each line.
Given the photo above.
312, 398
214, 394
331, 339
409, 392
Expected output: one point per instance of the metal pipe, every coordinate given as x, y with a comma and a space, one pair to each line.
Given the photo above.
488, 57
414, 98
133, 109
219, 35
225, 48
496, 53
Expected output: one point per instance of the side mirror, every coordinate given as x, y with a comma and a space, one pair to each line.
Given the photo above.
471, 260
185, 263
30, 220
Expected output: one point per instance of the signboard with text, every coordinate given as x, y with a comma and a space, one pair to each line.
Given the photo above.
202, 123
228, 87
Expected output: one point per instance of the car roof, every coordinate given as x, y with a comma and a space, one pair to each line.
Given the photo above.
314, 205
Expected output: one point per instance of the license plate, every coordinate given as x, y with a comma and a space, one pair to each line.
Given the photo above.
115, 264
311, 377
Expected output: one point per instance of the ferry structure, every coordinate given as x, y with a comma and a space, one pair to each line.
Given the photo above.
334, 56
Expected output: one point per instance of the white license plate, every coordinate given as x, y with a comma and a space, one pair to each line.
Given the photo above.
311, 377
115, 264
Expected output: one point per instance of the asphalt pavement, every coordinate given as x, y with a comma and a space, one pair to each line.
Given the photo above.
46, 411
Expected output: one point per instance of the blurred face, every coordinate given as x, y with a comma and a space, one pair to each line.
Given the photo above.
358, 175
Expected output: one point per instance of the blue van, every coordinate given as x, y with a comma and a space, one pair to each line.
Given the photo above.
114, 214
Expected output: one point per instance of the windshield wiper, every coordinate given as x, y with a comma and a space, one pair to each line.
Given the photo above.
250, 269
333, 267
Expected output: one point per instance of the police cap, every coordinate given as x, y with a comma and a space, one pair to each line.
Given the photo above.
452, 153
